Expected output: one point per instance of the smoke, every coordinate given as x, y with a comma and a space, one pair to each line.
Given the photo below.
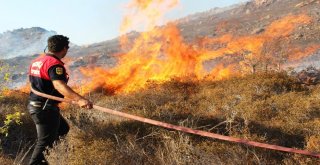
23, 42
145, 14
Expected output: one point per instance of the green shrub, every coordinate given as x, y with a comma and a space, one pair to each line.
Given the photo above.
14, 118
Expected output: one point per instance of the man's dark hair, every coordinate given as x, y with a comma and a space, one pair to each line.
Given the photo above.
56, 43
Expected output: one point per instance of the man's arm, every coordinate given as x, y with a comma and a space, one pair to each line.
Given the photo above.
65, 90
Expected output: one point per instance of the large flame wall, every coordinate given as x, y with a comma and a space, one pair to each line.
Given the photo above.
160, 53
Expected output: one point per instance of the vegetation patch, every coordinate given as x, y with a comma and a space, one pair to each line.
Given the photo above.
269, 108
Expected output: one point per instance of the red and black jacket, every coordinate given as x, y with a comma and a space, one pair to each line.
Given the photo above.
42, 72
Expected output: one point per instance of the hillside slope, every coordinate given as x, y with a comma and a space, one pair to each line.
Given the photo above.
246, 21
23, 42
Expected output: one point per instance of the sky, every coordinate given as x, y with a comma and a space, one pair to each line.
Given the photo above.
84, 21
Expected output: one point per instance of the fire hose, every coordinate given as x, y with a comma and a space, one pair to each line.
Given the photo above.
186, 129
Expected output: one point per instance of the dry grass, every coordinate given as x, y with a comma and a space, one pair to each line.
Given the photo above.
4, 159
270, 108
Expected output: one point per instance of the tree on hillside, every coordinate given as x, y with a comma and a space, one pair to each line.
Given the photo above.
281, 55
266, 54
4, 75
250, 61
274, 53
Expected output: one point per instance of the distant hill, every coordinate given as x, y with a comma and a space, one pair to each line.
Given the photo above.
23, 41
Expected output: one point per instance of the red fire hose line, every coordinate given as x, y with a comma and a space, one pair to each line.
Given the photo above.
185, 129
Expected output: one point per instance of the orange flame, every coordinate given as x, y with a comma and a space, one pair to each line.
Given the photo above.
25, 88
144, 15
161, 54
156, 55
286, 25
300, 53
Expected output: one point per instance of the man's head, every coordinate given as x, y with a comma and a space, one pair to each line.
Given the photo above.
57, 43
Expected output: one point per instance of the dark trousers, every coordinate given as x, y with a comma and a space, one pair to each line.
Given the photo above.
50, 126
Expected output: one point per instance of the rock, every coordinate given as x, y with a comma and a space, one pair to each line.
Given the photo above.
301, 4
263, 2
305, 3
267, 17
258, 31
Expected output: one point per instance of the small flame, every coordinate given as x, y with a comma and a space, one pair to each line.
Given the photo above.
25, 88
300, 53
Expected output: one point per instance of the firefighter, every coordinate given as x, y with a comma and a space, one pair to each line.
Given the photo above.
47, 74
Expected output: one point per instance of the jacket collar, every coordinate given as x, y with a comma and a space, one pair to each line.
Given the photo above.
52, 55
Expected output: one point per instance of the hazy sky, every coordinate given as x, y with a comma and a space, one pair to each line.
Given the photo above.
84, 21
